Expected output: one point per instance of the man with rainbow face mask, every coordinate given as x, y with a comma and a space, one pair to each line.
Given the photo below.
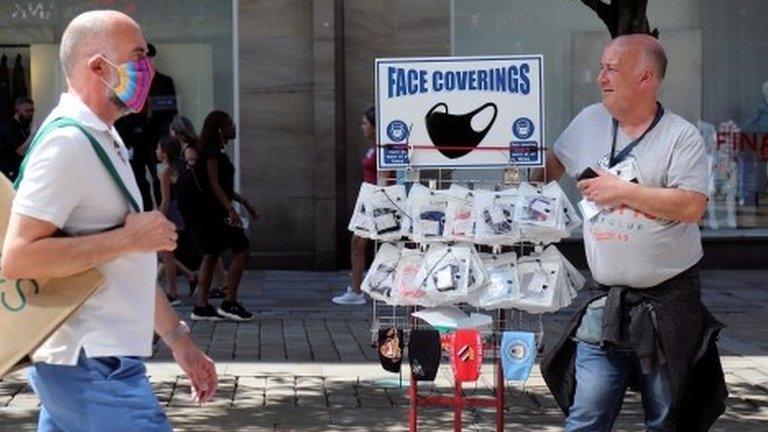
77, 179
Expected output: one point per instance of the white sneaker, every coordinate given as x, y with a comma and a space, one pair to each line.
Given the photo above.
349, 298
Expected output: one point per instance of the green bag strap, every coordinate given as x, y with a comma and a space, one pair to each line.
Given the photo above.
64, 122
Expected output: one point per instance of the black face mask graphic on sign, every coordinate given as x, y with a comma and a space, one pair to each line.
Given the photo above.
452, 130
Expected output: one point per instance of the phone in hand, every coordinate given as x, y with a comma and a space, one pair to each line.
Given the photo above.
588, 173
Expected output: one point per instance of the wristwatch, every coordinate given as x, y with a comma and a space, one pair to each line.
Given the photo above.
174, 335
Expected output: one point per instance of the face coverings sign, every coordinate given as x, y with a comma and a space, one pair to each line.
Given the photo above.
460, 112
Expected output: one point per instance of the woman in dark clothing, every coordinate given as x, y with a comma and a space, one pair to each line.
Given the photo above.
218, 226
169, 154
182, 129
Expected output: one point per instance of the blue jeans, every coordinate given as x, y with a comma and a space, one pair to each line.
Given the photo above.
98, 394
601, 381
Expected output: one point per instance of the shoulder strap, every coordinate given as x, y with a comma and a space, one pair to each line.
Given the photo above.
106, 162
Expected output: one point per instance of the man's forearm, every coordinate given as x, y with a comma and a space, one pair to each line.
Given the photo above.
56, 257
665, 203
166, 318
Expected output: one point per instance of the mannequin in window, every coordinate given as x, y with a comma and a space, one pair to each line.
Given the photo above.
721, 159
752, 165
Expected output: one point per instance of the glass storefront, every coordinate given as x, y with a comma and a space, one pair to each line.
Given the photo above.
193, 39
717, 79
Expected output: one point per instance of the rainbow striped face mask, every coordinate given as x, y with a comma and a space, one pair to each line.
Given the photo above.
134, 80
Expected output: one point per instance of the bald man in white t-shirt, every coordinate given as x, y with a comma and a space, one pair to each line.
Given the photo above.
89, 375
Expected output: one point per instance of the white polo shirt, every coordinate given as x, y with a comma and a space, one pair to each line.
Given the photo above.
66, 184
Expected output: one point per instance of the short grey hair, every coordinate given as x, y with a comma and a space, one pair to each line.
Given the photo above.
652, 51
85, 36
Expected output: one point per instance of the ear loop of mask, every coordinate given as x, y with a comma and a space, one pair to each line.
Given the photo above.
116, 68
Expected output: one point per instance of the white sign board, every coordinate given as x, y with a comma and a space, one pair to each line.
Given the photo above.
460, 112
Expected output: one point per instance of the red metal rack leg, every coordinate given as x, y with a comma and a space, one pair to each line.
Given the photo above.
413, 410
457, 399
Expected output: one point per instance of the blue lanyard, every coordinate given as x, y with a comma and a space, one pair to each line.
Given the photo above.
628, 149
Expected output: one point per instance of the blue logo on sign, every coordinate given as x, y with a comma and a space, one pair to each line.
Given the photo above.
522, 128
397, 131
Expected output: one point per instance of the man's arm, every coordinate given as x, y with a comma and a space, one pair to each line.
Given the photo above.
672, 204
31, 252
554, 169
197, 366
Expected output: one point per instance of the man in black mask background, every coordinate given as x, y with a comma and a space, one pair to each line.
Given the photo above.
15, 136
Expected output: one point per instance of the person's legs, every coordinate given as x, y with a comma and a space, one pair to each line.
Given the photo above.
354, 293
657, 400
204, 284
106, 393
230, 307
235, 274
220, 273
358, 246
601, 380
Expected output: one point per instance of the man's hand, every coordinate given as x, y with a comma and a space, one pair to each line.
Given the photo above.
606, 189
198, 367
150, 232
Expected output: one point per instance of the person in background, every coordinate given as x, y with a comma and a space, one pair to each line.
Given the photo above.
182, 129
218, 226
358, 245
15, 137
169, 154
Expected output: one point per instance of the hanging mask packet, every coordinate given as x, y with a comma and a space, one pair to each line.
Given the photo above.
494, 217
502, 286
575, 280
459, 224
449, 274
380, 213
380, 278
537, 286
427, 208
570, 220
406, 289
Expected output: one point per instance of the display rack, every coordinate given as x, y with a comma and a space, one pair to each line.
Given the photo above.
387, 316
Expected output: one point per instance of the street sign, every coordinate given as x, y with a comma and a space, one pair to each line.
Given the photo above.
460, 112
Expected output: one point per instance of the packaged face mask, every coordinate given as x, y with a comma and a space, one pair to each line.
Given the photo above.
380, 213
449, 274
570, 219
427, 208
537, 286
407, 289
380, 278
502, 286
459, 224
544, 285
494, 217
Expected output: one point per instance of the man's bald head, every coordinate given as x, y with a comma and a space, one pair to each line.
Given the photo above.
650, 50
91, 33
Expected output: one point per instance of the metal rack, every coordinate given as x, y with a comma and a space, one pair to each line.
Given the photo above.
386, 316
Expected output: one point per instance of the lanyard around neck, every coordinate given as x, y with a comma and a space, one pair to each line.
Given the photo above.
616, 158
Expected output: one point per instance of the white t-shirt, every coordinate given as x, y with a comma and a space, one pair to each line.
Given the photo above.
625, 247
66, 184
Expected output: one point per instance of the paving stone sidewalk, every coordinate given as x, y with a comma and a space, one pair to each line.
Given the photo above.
305, 364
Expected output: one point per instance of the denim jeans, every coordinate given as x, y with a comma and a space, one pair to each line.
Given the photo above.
98, 394
601, 381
